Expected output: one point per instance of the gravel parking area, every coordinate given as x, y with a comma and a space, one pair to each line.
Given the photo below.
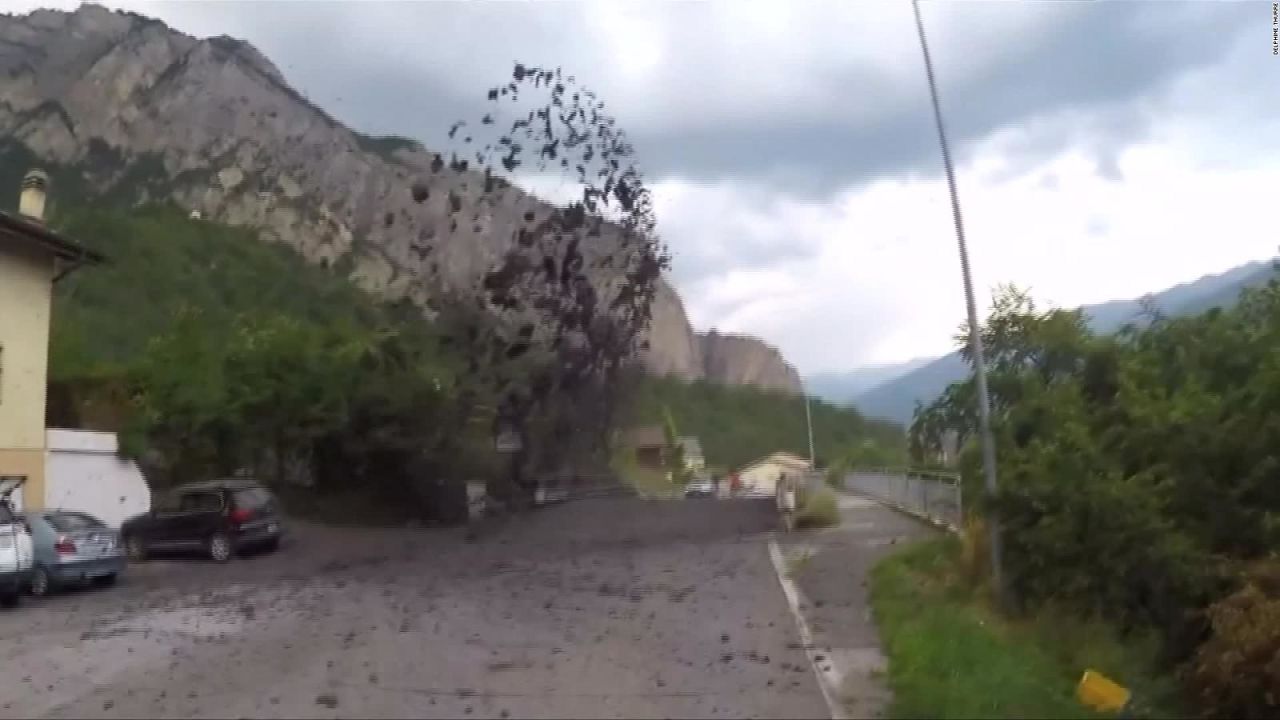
614, 607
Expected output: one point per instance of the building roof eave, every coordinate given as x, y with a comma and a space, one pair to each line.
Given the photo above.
33, 233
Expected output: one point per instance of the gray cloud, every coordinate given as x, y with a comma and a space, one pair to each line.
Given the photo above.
1103, 57
1107, 61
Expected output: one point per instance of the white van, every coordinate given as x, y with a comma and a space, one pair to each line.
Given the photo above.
17, 555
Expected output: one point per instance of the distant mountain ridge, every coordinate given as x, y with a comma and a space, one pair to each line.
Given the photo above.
844, 387
896, 399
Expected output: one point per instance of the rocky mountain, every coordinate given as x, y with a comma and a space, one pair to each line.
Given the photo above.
897, 398
725, 358
745, 360
130, 108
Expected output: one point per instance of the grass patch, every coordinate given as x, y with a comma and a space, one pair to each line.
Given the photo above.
951, 657
818, 510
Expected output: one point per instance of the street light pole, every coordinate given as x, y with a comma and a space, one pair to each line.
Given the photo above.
808, 419
975, 335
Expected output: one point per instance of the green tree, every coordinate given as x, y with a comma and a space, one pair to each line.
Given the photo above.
1137, 470
674, 450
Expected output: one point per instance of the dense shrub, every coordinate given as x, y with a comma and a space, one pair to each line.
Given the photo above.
1135, 471
1236, 672
818, 510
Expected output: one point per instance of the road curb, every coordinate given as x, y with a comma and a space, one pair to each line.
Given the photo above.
794, 597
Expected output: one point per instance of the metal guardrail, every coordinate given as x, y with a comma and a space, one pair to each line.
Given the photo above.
936, 497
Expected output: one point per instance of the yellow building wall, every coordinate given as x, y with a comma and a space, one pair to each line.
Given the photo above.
26, 292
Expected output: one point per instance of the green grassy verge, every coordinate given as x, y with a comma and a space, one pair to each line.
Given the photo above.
951, 657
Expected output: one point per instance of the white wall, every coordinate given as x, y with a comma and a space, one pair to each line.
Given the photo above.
762, 478
83, 473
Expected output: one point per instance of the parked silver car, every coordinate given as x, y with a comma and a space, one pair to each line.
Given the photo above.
701, 487
72, 548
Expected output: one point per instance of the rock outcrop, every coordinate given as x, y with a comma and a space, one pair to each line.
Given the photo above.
674, 348
746, 360
148, 113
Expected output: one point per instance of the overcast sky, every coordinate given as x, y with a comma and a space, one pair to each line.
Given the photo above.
1103, 149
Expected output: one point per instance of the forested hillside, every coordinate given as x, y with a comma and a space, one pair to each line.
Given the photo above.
739, 424
211, 351
159, 261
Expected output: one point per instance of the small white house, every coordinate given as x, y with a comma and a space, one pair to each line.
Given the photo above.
83, 472
761, 476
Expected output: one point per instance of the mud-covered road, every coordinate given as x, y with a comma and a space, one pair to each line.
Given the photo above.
614, 607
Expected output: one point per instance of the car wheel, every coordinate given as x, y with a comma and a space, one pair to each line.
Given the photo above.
105, 580
271, 545
11, 598
40, 582
135, 549
220, 547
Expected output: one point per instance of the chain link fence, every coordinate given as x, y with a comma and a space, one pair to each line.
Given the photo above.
933, 496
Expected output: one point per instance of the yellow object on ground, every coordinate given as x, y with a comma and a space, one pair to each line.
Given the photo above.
1100, 693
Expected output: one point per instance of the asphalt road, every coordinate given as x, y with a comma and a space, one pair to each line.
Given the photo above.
615, 607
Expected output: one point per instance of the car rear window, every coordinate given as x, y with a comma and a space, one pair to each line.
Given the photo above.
200, 501
253, 499
73, 522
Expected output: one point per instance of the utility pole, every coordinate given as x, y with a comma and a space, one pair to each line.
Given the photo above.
975, 335
808, 419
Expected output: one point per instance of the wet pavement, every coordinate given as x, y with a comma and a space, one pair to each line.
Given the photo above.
829, 569
614, 607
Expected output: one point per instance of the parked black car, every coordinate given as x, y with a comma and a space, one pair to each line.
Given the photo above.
218, 518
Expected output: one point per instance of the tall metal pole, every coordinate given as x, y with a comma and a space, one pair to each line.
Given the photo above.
975, 336
808, 419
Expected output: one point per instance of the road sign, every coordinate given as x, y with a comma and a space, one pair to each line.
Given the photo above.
1101, 693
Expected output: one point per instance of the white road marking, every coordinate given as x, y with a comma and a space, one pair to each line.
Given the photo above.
792, 593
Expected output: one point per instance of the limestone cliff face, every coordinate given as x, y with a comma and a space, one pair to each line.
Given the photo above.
746, 360
728, 359
674, 346
213, 125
